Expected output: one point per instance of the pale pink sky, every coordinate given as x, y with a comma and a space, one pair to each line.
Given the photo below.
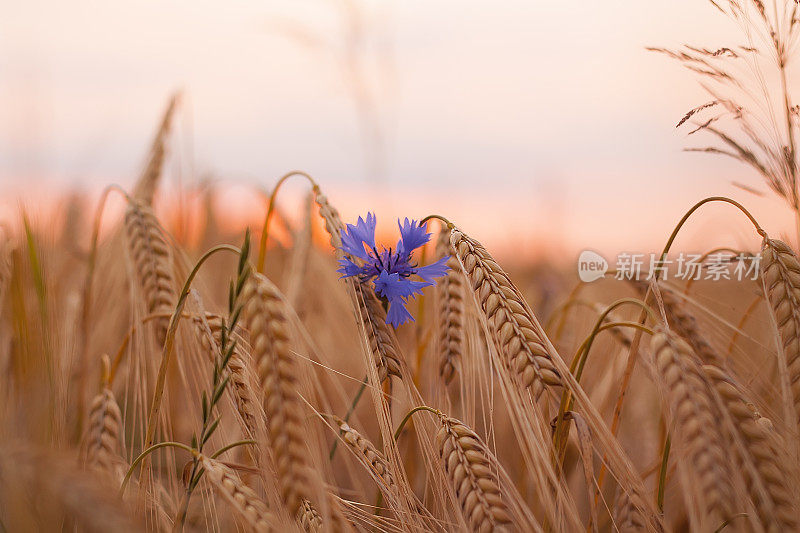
529, 121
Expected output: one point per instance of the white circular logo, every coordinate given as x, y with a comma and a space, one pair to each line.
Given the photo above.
591, 266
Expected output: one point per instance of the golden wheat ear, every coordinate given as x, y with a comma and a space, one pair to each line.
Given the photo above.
368, 454
758, 456
516, 337
239, 496
152, 264
146, 186
698, 435
450, 297
264, 317
103, 437
473, 474
781, 274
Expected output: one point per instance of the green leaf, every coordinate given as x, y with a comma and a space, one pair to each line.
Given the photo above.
210, 430
220, 390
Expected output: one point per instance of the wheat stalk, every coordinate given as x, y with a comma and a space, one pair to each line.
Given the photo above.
264, 317
297, 265
473, 474
146, 186
765, 477
102, 442
685, 325
781, 273
151, 257
241, 497
309, 518
694, 417
509, 319
627, 517
368, 453
450, 291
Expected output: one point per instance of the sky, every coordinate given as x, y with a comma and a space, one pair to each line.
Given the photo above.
538, 126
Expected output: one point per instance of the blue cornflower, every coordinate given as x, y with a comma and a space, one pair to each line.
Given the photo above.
390, 269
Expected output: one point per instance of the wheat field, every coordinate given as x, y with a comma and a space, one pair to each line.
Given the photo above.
289, 376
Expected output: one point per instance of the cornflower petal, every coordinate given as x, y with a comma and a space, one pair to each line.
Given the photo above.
397, 315
434, 270
390, 269
412, 236
348, 268
355, 237
352, 245
365, 230
393, 286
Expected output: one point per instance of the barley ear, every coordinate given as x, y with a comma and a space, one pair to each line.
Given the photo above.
694, 416
450, 296
152, 263
238, 495
473, 474
509, 320
781, 273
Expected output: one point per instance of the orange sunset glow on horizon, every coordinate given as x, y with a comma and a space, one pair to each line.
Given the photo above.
554, 112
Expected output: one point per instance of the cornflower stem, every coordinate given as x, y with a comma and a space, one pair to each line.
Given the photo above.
418, 329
